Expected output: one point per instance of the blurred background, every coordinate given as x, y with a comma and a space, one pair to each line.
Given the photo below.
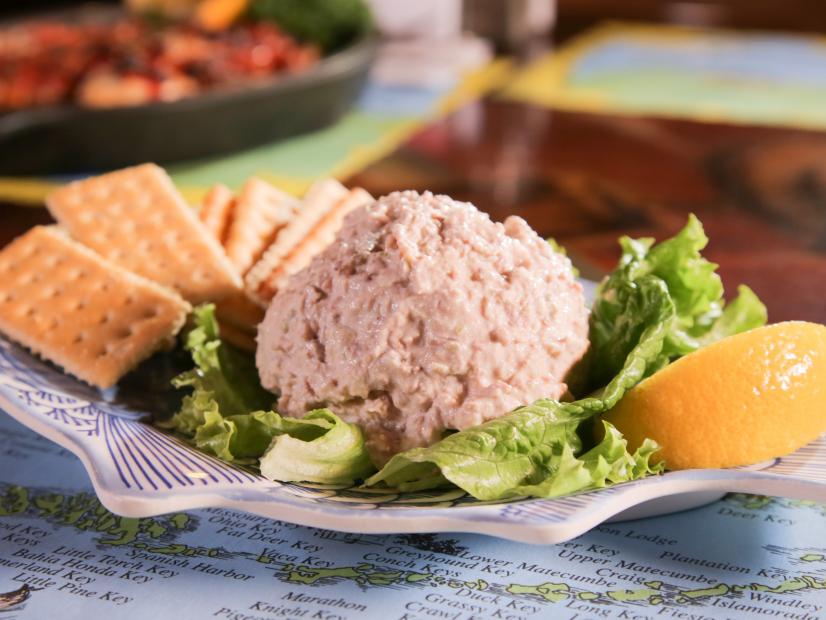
590, 118
86, 86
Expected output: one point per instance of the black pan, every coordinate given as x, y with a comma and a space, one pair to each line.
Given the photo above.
69, 139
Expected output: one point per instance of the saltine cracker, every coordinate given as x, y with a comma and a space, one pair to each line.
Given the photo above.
85, 314
137, 219
307, 236
261, 211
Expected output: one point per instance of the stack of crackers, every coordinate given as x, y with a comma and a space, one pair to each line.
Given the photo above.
115, 280
268, 235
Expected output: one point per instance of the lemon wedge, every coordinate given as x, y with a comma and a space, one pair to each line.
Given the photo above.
742, 400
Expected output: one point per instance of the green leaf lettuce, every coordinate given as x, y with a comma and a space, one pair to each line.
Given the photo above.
226, 415
618, 315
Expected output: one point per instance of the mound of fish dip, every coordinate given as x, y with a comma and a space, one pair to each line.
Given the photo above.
423, 316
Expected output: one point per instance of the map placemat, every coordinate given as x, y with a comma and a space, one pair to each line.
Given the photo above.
700, 74
63, 555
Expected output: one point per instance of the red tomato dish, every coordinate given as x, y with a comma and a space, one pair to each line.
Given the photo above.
131, 62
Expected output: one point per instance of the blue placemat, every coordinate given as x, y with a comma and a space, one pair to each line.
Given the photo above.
704, 74
62, 555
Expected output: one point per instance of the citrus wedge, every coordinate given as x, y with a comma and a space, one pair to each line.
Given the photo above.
741, 400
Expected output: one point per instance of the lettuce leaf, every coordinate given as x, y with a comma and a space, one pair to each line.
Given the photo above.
243, 437
227, 415
336, 455
701, 317
531, 451
227, 374
607, 463
744, 313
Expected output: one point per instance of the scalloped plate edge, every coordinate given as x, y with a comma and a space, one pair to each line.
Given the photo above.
133, 505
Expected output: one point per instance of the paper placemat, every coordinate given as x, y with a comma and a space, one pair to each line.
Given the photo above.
63, 555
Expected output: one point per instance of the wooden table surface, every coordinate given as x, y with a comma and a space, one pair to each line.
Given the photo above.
587, 179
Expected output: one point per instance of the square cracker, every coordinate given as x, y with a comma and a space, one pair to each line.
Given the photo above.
69, 305
261, 210
309, 234
137, 219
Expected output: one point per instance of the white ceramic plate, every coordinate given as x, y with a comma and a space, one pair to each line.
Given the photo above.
138, 471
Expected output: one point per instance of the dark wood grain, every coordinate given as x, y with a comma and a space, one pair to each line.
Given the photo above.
15, 219
586, 179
